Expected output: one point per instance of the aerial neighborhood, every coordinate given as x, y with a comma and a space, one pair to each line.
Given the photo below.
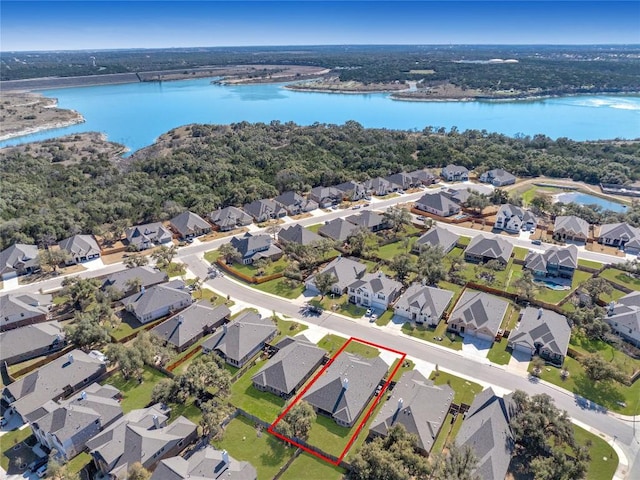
179, 346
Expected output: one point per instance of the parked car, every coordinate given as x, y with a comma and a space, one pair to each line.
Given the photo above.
41, 471
369, 312
3, 422
37, 463
536, 242
356, 207
374, 317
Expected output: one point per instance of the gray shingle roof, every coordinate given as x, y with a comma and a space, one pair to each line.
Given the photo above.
80, 246
544, 327
428, 300
205, 464
368, 219
298, 234
191, 322
417, 404
265, 208
26, 305
378, 184
345, 269
480, 310
337, 229
402, 179
188, 223
564, 257
147, 275
324, 194
572, 224
423, 176
351, 187
150, 232
240, 337
378, 283
35, 389
486, 430
230, 217
500, 175
328, 393
456, 169
289, 366
507, 211
437, 201
154, 298
438, 236
249, 243
17, 257
29, 339
622, 231
492, 247
294, 201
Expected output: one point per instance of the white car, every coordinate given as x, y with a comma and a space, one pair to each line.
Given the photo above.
42, 471
369, 312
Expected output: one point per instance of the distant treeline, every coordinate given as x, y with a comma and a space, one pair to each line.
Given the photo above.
204, 167
552, 70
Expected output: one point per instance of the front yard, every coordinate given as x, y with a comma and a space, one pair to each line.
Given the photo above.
332, 343
604, 459
498, 352
280, 287
432, 334
339, 305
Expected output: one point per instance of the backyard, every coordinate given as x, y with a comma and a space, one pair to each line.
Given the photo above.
263, 405
135, 394
620, 277
310, 467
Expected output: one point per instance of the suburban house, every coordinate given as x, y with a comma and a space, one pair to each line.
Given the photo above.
72, 422
484, 248
150, 304
633, 246
254, 247
60, 378
478, 314
265, 209
455, 173
402, 179
128, 281
30, 341
372, 221
352, 191
542, 332
346, 272
295, 204
20, 309
80, 248
18, 259
191, 324
380, 186
624, 318
617, 234
143, 436
298, 234
422, 304
374, 290
498, 177
337, 229
229, 218
512, 219
325, 196
207, 463
571, 229
553, 262
418, 405
240, 340
346, 386
424, 177
290, 367
437, 204
149, 235
437, 237
485, 429
189, 225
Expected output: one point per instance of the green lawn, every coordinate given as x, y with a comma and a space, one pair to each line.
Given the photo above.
188, 410
264, 451
310, 467
272, 267
604, 459
79, 462
622, 362
498, 352
315, 228
429, 334
385, 318
388, 252
287, 327
264, 405
621, 278
528, 195
131, 326
478, 273
328, 436
279, 287
447, 433
520, 253
135, 395
456, 252
175, 269
332, 343
465, 391
457, 292
614, 295
556, 296
464, 241
215, 300
589, 263
212, 256
343, 306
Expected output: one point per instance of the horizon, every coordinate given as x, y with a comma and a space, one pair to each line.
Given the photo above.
146, 25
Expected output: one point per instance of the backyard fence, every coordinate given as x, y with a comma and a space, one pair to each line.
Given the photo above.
249, 279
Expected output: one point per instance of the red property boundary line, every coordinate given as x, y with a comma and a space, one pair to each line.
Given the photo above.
271, 428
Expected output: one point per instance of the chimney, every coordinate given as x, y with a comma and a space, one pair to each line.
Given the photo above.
345, 384
70, 358
83, 396
156, 422
400, 404
540, 311
225, 457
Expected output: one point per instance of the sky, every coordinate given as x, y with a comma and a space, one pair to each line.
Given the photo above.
77, 25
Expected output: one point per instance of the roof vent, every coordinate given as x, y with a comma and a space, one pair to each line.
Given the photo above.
345, 384
540, 312
156, 421
180, 319
70, 358
400, 403
83, 396
225, 457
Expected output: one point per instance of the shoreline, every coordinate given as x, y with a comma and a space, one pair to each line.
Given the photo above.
42, 128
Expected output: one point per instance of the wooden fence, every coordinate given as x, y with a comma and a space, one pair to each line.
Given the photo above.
249, 279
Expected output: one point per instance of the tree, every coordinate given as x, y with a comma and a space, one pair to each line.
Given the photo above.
205, 372
525, 286
599, 370
82, 292
397, 218
430, 266
229, 253
324, 281
541, 202
58, 471
136, 260
457, 464
164, 255
360, 242
50, 259
164, 391
597, 286
85, 332
129, 360
197, 285
134, 284
477, 201
499, 196
301, 417
213, 414
138, 472
559, 466
402, 264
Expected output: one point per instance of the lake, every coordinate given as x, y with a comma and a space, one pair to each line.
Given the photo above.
136, 114
586, 199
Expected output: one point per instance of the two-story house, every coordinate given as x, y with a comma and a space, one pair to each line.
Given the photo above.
147, 236
295, 204
422, 304
380, 186
265, 209
374, 290
325, 196
553, 262
253, 247
455, 173
513, 219
352, 191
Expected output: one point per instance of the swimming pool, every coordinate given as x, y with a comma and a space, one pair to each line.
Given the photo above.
551, 285
586, 199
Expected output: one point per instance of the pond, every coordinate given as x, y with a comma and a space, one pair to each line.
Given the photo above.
586, 199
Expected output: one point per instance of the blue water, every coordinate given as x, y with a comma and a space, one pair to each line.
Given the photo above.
136, 114
586, 199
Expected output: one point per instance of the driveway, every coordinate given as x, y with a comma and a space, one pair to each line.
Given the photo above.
475, 346
519, 362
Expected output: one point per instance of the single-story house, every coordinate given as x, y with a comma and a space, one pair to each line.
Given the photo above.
207, 463
253, 247
30, 341
624, 318
189, 225
229, 218
437, 204
374, 290
240, 340
337, 229
298, 234
542, 332
125, 280
149, 235
346, 272
80, 248
422, 304
484, 248
437, 237
498, 177
290, 367
455, 173
418, 405
512, 219
553, 262
370, 220
191, 324
150, 304
295, 204
265, 209
20, 309
18, 259
478, 314
617, 234
346, 386
571, 229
